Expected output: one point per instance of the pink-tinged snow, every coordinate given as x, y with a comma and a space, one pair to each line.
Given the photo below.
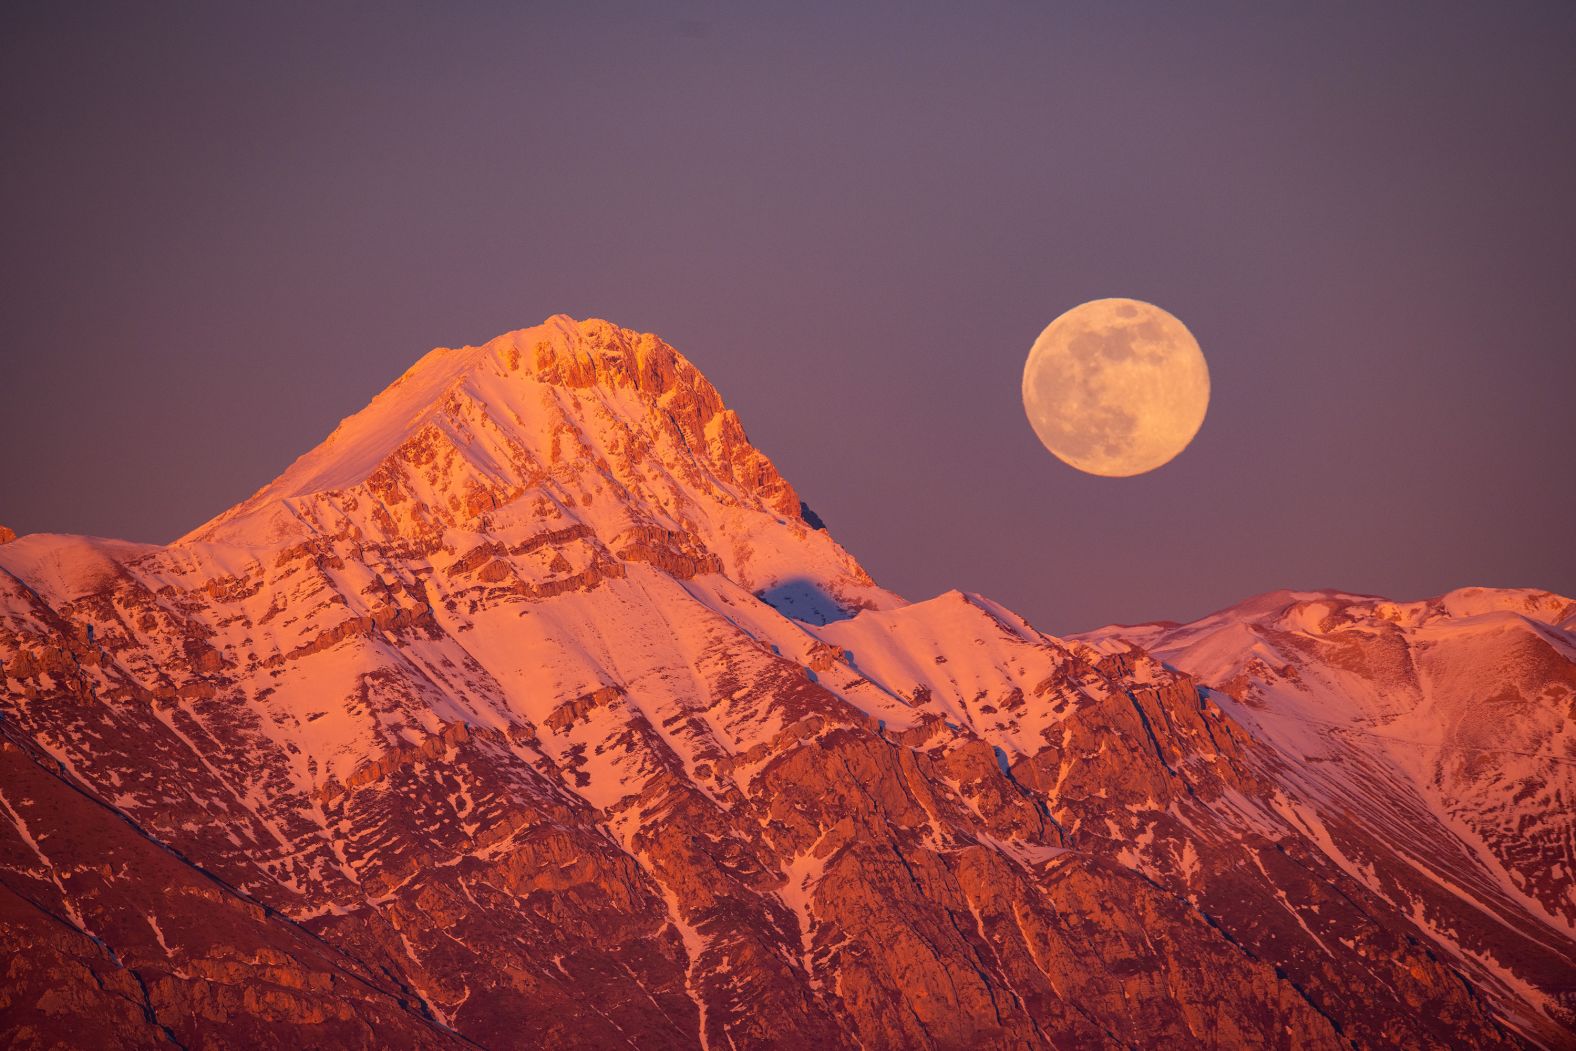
585, 449
956, 655
514, 596
61, 566
1443, 726
562, 458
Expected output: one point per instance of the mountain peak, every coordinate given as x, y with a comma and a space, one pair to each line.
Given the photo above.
564, 424
560, 351
594, 352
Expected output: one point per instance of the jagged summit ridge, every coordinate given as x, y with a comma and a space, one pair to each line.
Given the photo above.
565, 424
560, 352
1328, 611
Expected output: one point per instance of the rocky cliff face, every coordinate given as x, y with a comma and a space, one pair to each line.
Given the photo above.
1431, 747
533, 708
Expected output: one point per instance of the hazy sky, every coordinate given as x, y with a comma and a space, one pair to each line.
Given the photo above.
226, 228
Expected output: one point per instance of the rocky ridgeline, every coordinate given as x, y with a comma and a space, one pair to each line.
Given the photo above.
484, 724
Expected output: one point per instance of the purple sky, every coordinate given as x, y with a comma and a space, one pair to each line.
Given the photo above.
224, 230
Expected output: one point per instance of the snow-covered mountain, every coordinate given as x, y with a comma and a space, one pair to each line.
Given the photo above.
1435, 742
533, 708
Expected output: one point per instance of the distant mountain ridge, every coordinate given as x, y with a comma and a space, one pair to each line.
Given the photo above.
534, 708
1452, 718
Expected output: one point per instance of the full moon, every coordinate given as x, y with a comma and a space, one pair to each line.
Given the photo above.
1116, 387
